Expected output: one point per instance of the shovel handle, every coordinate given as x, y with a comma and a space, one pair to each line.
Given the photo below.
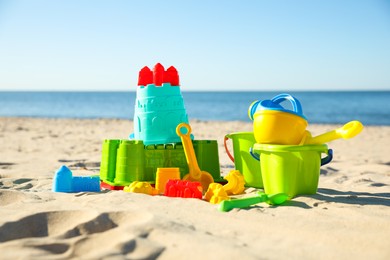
243, 203
189, 151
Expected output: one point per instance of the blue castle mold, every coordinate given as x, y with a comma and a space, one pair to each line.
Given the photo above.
158, 110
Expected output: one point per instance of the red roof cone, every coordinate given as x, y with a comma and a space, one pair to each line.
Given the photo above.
167, 76
145, 76
172, 76
158, 74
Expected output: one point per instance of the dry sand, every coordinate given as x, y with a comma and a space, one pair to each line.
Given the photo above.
349, 217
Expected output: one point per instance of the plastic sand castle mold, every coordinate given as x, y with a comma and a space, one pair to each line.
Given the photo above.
163, 175
129, 162
216, 193
159, 106
64, 181
154, 157
183, 189
141, 187
236, 183
108, 162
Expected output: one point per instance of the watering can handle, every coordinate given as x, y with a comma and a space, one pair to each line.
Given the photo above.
227, 150
294, 102
328, 158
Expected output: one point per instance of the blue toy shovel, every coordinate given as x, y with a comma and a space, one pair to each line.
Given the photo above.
274, 199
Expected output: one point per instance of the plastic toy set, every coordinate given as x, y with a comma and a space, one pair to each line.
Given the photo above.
155, 142
140, 163
161, 156
290, 158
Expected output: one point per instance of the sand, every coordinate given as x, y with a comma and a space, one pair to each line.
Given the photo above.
349, 217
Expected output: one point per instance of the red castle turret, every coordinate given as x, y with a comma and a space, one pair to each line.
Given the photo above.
171, 76
145, 76
158, 76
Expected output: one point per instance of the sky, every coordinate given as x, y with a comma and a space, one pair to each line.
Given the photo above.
220, 45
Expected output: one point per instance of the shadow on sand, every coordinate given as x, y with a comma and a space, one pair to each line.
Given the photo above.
353, 197
342, 197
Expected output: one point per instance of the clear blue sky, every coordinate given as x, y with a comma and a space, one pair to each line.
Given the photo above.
215, 45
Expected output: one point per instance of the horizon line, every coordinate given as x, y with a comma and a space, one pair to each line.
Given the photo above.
192, 90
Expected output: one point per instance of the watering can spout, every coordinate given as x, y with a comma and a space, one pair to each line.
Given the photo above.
349, 130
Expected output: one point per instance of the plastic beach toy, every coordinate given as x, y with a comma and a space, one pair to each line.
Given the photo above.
243, 161
129, 162
159, 106
216, 193
85, 184
273, 124
349, 130
165, 174
141, 187
195, 174
64, 181
125, 161
183, 189
108, 162
274, 199
292, 169
236, 183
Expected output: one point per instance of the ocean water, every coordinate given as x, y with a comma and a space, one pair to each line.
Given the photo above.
369, 107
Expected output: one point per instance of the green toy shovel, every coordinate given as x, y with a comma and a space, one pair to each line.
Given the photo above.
274, 199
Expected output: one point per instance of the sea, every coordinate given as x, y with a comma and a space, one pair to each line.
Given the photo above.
319, 107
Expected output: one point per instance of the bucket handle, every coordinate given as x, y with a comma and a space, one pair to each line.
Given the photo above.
254, 155
324, 160
226, 149
328, 158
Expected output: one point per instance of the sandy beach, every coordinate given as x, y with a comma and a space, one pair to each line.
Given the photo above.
349, 217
